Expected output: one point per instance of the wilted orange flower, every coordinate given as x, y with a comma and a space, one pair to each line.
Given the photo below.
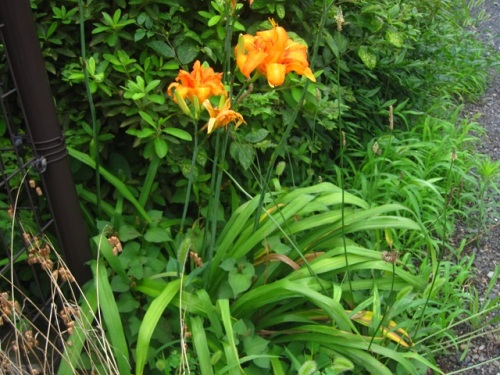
233, 3
221, 116
273, 54
201, 82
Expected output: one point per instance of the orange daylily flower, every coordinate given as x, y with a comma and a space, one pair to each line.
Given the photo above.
273, 54
201, 82
221, 116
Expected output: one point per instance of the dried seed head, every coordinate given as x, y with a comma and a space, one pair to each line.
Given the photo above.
66, 275
453, 155
117, 245
196, 259
32, 184
376, 148
39, 191
339, 19
390, 256
26, 238
8, 307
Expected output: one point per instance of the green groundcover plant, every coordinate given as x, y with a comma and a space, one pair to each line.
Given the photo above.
269, 185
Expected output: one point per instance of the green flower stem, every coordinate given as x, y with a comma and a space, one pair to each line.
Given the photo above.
95, 126
277, 151
190, 181
217, 170
220, 153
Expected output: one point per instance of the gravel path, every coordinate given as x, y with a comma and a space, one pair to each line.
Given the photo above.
487, 249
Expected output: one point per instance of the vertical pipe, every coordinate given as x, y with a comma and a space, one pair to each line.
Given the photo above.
28, 69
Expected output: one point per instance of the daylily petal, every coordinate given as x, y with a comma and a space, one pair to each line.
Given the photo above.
300, 69
249, 62
211, 125
208, 106
275, 74
308, 73
278, 44
203, 93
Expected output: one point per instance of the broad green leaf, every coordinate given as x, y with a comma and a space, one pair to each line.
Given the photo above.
246, 155
162, 48
126, 303
147, 117
214, 20
171, 65
340, 41
141, 133
256, 136
157, 235
367, 56
161, 147
187, 51
280, 10
240, 278
395, 38
128, 232
138, 95
152, 85
255, 345
179, 133
156, 98
118, 284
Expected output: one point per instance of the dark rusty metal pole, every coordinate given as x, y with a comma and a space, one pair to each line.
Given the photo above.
30, 75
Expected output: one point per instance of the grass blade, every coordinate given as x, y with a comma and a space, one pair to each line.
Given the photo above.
233, 363
150, 321
200, 345
111, 316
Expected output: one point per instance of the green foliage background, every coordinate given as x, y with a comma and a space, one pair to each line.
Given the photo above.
382, 122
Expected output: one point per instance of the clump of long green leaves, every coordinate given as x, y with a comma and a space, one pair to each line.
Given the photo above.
269, 294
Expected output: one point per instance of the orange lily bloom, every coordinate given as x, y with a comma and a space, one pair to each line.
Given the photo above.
273, 54
221, 116
201, 82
